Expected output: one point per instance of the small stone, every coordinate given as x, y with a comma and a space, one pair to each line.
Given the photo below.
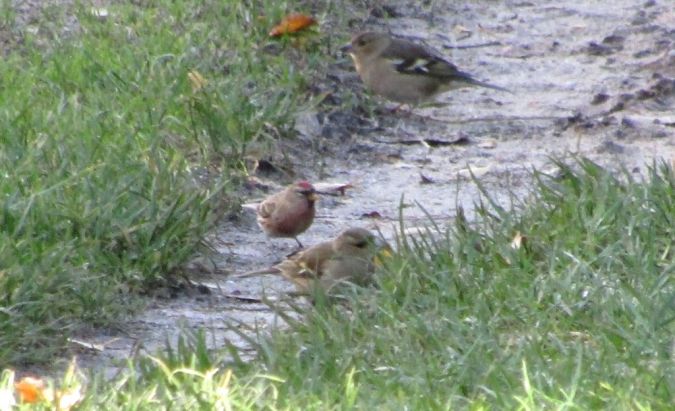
610, 147
595, 49
626, 122
599, 99
489, 144
614, 40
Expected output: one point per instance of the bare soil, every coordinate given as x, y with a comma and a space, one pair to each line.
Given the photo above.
593, 79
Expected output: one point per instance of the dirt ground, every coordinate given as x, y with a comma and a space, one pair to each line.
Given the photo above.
593, 78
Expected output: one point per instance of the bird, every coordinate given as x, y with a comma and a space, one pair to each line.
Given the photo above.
289, 212
351, 256
403, 71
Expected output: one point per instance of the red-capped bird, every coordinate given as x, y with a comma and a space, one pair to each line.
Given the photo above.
288, 213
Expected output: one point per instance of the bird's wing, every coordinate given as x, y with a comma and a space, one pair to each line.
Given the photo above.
411, 58
267, 207
311, 262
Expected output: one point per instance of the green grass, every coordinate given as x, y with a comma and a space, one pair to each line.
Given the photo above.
105, 144
581, 316
113, 168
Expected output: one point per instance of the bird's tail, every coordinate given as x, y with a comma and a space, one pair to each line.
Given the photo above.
269, 270
475, 82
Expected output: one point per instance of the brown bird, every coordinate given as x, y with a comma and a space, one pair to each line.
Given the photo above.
348, 257
403, 71
289, 212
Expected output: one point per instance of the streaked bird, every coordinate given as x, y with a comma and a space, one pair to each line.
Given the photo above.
351, 256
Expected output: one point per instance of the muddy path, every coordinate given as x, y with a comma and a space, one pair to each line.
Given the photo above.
596, 80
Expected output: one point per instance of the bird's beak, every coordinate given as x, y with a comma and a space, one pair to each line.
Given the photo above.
384, 252
312, 196
347, 48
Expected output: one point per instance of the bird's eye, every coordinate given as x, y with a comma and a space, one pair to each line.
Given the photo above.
361, 43
361, 244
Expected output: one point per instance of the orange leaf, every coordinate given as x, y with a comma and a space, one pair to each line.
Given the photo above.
291, 24
30, 389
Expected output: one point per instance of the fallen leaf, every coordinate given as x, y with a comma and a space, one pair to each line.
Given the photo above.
31, 390
372, 214
292, 24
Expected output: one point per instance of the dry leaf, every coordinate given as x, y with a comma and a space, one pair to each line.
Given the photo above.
197, 81
518, 241
372, 214
292, 24
31, 390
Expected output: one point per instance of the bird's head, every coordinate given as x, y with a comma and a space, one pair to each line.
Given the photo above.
306, 189
367, 44
360, 241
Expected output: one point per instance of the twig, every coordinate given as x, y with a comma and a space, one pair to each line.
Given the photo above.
473, 46
428, 142
486, 119
243, 298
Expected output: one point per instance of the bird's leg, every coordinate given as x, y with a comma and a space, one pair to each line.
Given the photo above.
294, 252
297, 250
